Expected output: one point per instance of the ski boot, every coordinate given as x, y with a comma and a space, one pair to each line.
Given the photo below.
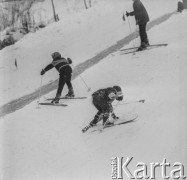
70, 94
92, 123
108, 123
86, 128
55, 100
147, 43
142, 46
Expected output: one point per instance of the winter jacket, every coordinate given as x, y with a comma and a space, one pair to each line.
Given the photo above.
107, 95
61, 65
139, 12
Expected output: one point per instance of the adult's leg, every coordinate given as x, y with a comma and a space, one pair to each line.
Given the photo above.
146, 40
143, 34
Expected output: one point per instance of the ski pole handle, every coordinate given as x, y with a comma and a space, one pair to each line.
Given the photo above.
131, 33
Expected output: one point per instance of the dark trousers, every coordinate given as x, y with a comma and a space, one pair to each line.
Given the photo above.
64, 79
143, 33
104, 110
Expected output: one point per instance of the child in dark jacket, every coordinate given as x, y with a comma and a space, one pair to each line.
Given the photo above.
65, 72
102, 100
142, 18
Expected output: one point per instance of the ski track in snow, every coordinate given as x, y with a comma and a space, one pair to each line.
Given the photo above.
74, 36
21, 102
47, 143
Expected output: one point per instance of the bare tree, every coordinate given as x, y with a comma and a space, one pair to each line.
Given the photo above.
26, 21
14, 14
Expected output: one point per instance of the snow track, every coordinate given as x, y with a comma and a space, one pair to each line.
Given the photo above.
47, 143
21, 102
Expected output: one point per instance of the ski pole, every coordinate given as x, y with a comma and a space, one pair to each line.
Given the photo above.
88, 88
40, 91
131, 32
139, 101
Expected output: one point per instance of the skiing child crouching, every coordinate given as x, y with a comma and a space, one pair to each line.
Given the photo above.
102, 100
65, 72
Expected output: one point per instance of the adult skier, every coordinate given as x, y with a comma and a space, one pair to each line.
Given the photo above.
102, 99
182, 5
141, 17
65, 72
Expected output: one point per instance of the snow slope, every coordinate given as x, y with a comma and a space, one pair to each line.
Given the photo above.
47, 143
78, 35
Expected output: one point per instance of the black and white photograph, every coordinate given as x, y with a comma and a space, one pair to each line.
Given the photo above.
93, 89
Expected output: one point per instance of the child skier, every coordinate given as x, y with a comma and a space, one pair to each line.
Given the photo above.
102, 100
142, 18
65, 72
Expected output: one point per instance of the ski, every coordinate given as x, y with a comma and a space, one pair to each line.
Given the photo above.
152, 45
86, 128
116, 123
51, 104
147, 48
134, 51
69, 98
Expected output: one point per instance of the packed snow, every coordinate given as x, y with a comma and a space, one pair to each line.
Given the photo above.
47, 142
78, 35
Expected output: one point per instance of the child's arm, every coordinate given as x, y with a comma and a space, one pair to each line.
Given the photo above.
47, 68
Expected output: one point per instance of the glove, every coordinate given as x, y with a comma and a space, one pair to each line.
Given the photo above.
114, 116
69, 60
112, 95
127, 14
42, 72
119, 98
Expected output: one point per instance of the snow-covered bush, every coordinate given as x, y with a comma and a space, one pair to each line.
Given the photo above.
7, 42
